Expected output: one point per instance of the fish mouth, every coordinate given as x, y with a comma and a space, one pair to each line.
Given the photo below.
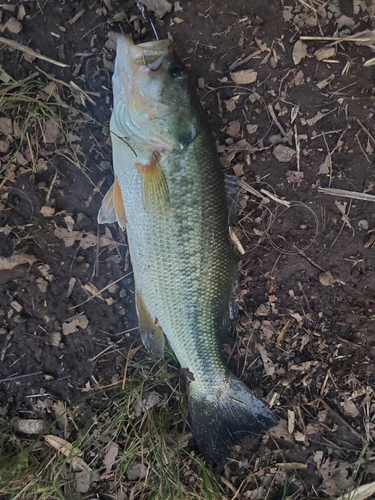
149, 54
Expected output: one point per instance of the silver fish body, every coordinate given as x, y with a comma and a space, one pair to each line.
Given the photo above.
171, 200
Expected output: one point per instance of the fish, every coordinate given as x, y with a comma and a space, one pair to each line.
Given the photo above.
169, 195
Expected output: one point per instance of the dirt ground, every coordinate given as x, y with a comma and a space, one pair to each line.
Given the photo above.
294, 118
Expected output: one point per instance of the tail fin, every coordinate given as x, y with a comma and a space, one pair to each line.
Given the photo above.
219, 421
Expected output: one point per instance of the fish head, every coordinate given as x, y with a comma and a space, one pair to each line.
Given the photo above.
153, 102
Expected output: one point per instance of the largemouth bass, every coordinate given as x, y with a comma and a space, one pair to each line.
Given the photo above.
169, 195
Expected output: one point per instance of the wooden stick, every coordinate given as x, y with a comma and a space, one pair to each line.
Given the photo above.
347, 194
31, 52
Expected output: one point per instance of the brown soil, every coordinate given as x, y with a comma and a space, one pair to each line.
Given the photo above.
316, 333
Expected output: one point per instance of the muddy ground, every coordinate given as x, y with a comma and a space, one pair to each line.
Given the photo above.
305, 338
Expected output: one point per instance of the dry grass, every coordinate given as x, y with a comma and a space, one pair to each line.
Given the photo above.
152, 462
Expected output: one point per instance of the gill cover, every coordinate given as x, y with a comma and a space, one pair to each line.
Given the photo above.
152, 99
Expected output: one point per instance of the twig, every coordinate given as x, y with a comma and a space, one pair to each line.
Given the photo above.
240, 62
337, 39
249, 188
51, 187
347, 194
72, 86
31, 52
275, 198
361, 147
277, 123
283, 331
365, 130
312, 262
100, 291
342, 419
236, 241
345, 223
17, 377
298, 148
329, 159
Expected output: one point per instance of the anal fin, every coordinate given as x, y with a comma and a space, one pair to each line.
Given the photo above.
151, 332
112, 209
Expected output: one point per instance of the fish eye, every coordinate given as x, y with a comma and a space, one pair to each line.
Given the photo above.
176, 71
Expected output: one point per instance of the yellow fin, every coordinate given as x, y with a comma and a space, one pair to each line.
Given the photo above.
154, 185
151, 332
112, 209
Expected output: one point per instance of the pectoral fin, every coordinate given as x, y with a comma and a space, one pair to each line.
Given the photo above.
151, 332
155, 190
112, 209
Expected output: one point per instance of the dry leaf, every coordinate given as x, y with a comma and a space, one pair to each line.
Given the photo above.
251, 129
4, 146
200, 83
369, 148
59, 408
325, 167
283, 153
361, 493
238, 168
341, 205
67, 449
345, 21
299, 79
335, 477
13, 26
350, 408
267, 362
136, 471
72, 324
244, 77
370, 6
291, 421
230, 104
316, 118
6, 126
86, 239
233, 128
281, 431
82, 481
263, 310
363, 224
159, 7
110, 456
72, 282
324, 83
294, 176
20, 159
326, 279
299, 52
325, 53
52, 131
47, 211
8, 263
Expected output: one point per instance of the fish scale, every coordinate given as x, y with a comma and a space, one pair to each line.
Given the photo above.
180, 250
172, 188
